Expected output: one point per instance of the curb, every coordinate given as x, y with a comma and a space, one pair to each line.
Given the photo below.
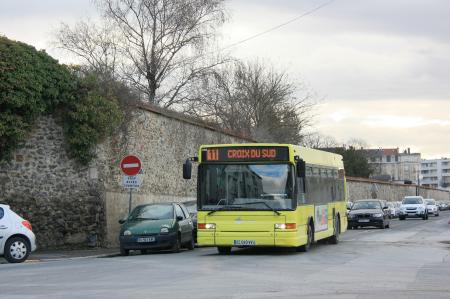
43, 260
76, 257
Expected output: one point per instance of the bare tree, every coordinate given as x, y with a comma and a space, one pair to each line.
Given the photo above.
95, 44
316, 140
357, 143
254, 100
161, 44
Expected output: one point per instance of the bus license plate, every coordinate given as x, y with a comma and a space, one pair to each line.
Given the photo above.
146, 240
244, 242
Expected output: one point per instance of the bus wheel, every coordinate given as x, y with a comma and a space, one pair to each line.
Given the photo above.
224, 250
307, 246
337, 229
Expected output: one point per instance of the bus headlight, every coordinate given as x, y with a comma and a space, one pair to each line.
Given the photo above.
282, 226
206, 226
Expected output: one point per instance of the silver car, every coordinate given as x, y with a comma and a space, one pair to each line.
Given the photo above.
432, 207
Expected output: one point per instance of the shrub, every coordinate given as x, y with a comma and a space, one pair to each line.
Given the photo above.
33, 84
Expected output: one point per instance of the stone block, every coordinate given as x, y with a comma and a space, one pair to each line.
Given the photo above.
76, 238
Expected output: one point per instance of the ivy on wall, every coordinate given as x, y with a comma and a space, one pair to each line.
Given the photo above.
92, 116
33, 84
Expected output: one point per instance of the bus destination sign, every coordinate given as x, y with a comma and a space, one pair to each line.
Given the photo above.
247, 153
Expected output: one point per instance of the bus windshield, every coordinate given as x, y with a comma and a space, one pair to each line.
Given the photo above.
246, 187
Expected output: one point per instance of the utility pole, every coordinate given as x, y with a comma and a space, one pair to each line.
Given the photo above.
418, 184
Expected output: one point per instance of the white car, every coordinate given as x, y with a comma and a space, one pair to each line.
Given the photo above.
17, 239
432, 207
413, 207
393, 209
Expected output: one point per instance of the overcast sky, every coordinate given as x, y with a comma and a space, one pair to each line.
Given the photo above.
381, 68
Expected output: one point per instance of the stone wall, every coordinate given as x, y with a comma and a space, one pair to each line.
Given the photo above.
62, 200
67, 203
359, 188
163, 143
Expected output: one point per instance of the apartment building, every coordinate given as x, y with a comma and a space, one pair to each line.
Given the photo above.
391, 164
436, 173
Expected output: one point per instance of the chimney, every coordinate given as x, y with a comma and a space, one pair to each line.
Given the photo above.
409, 151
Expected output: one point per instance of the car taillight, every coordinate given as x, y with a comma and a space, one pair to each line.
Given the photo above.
27, 224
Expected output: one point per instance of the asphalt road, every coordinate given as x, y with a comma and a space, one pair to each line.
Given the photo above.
410, 260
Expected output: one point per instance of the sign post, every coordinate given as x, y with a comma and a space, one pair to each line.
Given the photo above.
129, 201
131, 167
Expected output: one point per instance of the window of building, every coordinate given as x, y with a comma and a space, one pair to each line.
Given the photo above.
388, 158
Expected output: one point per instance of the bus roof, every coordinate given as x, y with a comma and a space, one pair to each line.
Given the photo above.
318, 157
310, 156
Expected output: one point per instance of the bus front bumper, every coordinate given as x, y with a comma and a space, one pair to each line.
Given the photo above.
250, 239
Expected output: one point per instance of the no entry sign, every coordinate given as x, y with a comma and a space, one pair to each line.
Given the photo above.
130, 165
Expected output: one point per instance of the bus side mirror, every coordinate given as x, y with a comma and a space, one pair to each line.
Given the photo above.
187, 170
301, 169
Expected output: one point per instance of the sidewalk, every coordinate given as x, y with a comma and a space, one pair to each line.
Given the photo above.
48, 255
56, 255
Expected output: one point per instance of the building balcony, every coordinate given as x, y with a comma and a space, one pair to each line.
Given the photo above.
429, 180
428, 166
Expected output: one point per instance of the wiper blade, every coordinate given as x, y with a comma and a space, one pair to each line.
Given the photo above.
239, 207
264, 203
227, 207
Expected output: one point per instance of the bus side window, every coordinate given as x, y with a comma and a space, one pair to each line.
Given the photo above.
300, 191
315, 171
307, 183
333, 192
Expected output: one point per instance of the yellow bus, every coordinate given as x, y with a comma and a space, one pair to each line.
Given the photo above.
268, 195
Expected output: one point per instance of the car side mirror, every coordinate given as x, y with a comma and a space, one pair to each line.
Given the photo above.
187, 170
122, 221
385, 208
179, 218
